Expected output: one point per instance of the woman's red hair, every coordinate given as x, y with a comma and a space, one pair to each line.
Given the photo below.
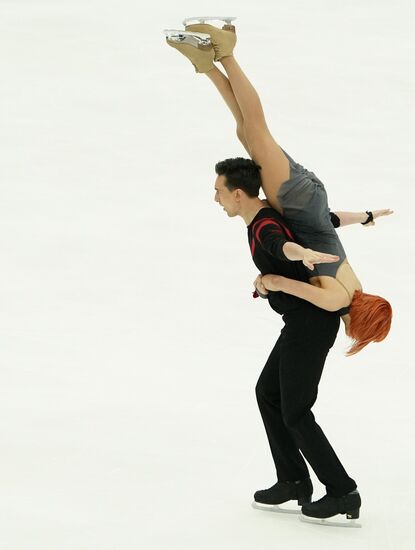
370, 320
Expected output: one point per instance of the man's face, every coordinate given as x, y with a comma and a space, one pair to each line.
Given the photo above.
226, 198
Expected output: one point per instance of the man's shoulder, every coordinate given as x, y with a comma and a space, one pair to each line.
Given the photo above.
269, 213
270, 217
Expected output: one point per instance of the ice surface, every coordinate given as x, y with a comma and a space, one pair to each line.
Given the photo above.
130, 342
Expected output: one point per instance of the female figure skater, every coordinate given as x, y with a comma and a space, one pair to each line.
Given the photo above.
292, 190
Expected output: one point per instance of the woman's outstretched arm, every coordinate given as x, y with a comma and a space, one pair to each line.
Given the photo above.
350, 218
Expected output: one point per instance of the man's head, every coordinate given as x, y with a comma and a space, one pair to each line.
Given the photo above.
238, 181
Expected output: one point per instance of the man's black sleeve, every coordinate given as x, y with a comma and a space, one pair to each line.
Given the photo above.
335, 220
272, 238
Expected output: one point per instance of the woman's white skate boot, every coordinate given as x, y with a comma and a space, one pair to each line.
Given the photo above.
196, 46
223, 39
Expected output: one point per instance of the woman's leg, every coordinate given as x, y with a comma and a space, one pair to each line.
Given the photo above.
247, 109
264, 150
224, 88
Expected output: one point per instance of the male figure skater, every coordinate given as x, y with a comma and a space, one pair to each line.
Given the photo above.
287, 387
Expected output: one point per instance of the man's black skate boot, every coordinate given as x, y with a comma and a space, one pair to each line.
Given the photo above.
327, 506
284, 491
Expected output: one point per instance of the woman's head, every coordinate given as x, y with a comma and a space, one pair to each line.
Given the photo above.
370, 320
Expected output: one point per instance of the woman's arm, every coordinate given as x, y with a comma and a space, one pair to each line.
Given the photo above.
328, 299
350, 218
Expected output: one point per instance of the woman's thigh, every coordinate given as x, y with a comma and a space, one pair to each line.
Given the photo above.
304, 204
275, 168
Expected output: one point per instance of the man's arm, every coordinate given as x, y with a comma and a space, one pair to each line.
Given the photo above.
272, 239
296, 252
340, 219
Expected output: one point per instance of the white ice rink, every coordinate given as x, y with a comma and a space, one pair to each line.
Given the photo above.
130, 342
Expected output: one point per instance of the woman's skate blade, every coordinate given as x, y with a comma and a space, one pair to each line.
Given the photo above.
329, 522
274, 508
194, 20
196, 39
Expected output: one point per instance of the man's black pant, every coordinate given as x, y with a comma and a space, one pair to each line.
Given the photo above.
286, 392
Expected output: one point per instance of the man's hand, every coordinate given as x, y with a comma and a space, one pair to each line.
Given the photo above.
312, 257
272, 282
259, 285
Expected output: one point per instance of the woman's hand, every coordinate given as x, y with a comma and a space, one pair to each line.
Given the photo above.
378, 213
384, 212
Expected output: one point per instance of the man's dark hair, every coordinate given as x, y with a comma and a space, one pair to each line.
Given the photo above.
240, 173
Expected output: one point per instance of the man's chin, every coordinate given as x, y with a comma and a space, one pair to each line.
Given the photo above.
230, 214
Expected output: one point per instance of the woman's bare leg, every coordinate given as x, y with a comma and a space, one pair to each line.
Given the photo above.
264, 149
223, 86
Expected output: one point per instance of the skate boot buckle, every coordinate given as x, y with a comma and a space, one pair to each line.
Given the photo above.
194, 38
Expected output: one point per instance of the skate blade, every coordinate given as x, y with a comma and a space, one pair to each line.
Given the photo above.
194, 20
185, 37
350, 523
274, 508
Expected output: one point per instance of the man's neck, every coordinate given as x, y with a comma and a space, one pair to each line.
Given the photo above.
251, 209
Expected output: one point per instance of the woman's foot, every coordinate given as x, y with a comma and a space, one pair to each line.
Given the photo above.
196, 46
223, 40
